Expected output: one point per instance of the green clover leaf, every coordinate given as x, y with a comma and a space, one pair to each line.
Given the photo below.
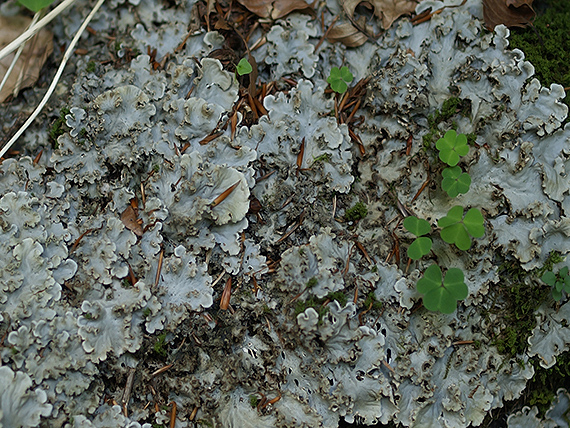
456, 229
243, 67
417, 226
422, 245
560, 282
455, 181
339, 78
443, 295
419, 248
452, 146
35, 5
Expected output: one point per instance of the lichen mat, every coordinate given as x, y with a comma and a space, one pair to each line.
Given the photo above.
103, 326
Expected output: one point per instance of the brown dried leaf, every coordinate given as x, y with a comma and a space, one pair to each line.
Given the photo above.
129, 219
386, 10
274, 9
32, 59
512, 13
347, 34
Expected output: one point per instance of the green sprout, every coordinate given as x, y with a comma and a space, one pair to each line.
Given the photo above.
244, 67
455, 181
442, 294
35, 5
339, 78
357, 212
422, 244
559, 281
451, 147
456, 229
253, 400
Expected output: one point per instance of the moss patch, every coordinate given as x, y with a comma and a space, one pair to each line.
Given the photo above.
451, 107
516, 298
357, 212
547, 45
58, 127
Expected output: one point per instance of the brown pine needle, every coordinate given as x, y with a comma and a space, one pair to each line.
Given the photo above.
224, 195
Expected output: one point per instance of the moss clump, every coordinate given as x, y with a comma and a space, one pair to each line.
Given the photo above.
159, 345
547, 45
545, 382
357, 212
253, 400
450, 108
516, 299
312, 282
338, 296
371, 301
90, 66
57, 128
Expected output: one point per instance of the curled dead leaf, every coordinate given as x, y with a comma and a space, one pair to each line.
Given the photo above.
129, 217
386, 10
512, 13
275, 9
348, 34
28, 66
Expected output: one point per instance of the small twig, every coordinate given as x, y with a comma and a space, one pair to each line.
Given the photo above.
318, 45
127, 392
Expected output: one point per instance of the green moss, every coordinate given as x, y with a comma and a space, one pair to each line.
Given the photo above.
146, 312
547, 45
57, 128
450, 108
159, 344
357, 212
372, 302
312, 302
338, 296
545, 382
516, 298
312, 282
325, 157
253, 400
90, 66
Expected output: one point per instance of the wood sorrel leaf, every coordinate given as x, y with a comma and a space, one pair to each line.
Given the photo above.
35, 5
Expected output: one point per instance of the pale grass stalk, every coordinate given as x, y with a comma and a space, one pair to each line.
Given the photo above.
35, 28
51, 88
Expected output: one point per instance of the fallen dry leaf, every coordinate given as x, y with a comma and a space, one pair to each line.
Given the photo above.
512, 13
348, 34
129, 219
274, 9
28, 66
386, 10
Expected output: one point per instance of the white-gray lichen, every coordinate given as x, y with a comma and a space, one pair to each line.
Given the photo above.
134, 265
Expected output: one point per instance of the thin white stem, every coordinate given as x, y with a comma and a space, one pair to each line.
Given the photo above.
51, 88
35, 28
18, 52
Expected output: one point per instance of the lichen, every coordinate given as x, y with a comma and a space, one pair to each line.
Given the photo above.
210, 255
